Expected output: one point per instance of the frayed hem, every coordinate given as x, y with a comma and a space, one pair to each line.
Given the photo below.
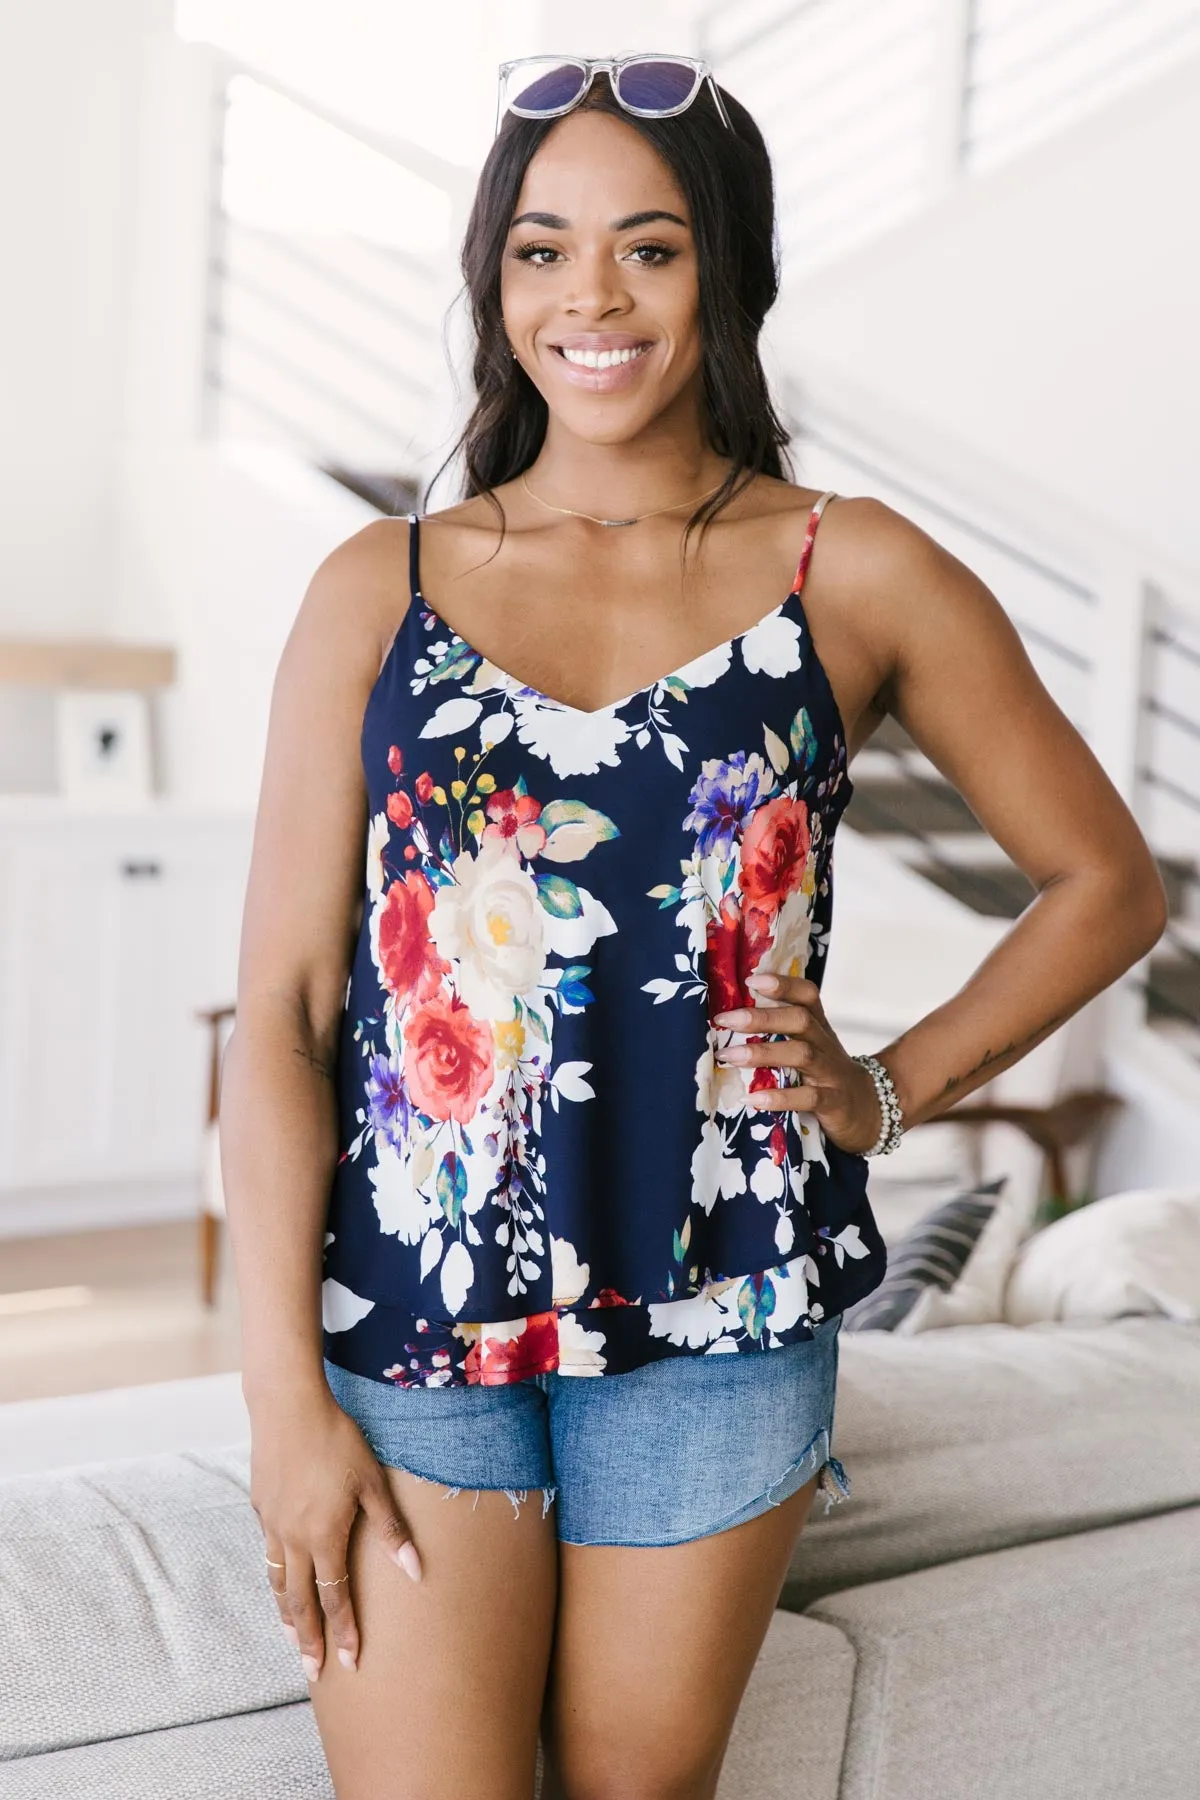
517, 1496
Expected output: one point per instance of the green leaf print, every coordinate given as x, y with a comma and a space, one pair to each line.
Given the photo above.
803, 739
756, 1303
572, 829
451, 1186
559, 897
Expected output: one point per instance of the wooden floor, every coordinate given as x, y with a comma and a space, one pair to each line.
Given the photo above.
106, 1309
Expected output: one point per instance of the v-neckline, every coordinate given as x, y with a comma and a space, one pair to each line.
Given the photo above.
595, 712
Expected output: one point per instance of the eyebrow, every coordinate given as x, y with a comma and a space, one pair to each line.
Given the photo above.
556, 222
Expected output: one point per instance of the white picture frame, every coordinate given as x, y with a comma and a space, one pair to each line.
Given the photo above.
103, 741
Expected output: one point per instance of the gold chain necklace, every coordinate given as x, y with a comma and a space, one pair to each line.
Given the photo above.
571, 512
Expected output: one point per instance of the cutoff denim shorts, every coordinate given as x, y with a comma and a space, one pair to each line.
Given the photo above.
674, 1450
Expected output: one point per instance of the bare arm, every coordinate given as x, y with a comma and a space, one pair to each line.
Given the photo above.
967, 694
953, 670
278, 1101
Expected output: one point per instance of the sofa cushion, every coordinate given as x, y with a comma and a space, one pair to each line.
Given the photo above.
775, 1752
133, 1597
981, 1436
271, 1755
1126, 1254
1058, 1670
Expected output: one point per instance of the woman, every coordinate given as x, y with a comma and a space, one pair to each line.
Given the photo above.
512, 1090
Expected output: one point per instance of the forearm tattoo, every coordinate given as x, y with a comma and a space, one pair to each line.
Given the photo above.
318, 1064
1009, 1053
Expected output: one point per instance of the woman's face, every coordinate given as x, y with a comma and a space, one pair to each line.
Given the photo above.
600, 268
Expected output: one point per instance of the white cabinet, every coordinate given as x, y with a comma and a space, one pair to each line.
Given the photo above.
115, 931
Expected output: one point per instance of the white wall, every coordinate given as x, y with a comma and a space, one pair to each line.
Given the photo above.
1046, 314
70, 92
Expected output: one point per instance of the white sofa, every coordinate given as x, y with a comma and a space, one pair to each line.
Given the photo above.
1008, 1607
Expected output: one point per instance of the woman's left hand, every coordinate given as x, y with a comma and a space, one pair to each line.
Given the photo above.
832, 1086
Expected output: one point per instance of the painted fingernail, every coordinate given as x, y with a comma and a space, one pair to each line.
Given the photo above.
311, 1667
736, 1053
764, 984
732, 1021
347, 1658
409, 1561
291, 1634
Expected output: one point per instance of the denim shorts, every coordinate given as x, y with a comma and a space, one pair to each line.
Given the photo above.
674, 1450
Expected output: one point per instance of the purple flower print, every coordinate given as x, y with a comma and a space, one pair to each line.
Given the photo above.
388, 1109
724, 796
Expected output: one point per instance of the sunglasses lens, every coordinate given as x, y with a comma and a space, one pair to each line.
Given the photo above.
545, 87
656, 86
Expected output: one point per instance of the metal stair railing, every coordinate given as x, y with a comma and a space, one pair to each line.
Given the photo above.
329, 342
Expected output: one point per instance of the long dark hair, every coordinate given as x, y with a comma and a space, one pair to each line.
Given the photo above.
725, 177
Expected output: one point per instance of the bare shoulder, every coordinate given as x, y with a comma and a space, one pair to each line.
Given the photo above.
358, 596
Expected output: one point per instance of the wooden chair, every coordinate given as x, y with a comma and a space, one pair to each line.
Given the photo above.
212, 1193
1055, 1128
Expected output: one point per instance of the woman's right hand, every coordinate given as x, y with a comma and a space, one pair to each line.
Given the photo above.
311, 1470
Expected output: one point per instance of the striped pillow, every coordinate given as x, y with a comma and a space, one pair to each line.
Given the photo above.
933, 1253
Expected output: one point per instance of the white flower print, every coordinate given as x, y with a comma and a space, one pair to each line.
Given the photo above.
568, 1275
573, 743
787, 953
341, 1309
489, 922
703, 670
582, 1351
458, 1272
713, 1319
720, 1087
403, 1211
772, 647
714, 1175
575, 937
377, 841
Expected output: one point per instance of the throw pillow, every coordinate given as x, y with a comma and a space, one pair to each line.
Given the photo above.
930, 1258
1129, 1253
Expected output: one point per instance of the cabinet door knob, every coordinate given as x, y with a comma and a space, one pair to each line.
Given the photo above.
134, 871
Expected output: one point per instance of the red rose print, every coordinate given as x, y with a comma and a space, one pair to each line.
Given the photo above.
513, 815
424, 787
774, 852
778, 1144
399, 809
762, 1076
408, 957
736, 942
395, 759
534, 1351
447, 1059
609, 1297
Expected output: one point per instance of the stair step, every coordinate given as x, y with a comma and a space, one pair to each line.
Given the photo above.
999, 891
391, 494
1173, 986
902, 807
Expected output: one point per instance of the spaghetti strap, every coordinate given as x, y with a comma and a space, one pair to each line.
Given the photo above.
414, 556
814, 519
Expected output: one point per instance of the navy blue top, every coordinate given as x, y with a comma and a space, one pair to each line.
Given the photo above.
541, 1164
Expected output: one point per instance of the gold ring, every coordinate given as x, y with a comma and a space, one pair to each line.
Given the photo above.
275, 1565
336, 1583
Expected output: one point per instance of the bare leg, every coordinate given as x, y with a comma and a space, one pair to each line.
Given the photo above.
451, 1673
652, 1654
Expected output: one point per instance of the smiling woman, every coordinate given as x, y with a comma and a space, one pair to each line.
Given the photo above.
531, 1077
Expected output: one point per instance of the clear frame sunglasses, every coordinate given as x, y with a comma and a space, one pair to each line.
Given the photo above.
648, 86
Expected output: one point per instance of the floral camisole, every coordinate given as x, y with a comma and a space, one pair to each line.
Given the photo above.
542, 1166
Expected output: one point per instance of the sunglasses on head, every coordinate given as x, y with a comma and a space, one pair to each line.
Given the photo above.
648, 86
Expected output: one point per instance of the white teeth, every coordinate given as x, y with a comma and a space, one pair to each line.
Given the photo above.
602, 359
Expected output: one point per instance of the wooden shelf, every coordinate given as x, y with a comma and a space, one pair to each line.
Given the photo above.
85, 663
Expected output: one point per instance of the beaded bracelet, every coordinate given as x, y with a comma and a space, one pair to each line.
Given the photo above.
892, 1128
